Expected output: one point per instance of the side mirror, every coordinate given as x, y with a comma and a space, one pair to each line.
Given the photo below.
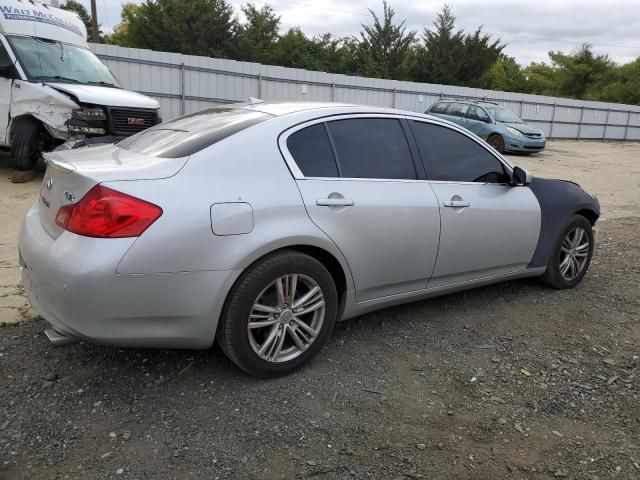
520, 177
8, 71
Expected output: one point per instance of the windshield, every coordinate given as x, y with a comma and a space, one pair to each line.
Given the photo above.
54, 61
503, 115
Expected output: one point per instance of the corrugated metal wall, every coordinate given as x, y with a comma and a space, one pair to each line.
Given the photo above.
186, 83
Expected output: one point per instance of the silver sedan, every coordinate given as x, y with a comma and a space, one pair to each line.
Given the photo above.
261, 225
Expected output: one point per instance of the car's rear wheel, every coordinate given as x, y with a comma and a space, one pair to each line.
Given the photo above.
278, 315
571, 255
497, 142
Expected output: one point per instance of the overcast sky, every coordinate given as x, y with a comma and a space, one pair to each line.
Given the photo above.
530, 27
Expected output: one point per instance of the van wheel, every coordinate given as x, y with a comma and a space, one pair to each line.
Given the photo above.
497, 142
27, 143
279, 314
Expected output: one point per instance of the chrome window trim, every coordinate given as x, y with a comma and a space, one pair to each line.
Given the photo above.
298, 175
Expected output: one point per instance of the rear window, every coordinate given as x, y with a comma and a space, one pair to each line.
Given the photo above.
187, 135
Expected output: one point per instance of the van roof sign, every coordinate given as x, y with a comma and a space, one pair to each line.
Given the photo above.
35, 19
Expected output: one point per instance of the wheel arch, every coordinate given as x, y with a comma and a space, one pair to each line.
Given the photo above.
589, 214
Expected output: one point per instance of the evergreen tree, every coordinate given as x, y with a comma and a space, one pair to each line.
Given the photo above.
256, 39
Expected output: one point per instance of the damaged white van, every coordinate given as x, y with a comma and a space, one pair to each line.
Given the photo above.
53, 89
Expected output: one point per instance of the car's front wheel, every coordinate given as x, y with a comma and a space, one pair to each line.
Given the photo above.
571, 255
279, 314
497, 142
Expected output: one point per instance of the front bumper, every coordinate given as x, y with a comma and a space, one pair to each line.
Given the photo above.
524, 144
72, 282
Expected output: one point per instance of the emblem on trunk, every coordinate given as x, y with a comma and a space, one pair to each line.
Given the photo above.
69, 196
49, 183
135, 121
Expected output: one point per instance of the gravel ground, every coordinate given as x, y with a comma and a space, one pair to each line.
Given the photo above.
508, 381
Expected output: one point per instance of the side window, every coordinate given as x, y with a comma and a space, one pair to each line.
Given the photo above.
452, 156
5, 59
458, 109
439, 107
477, 113
311, 149
372, 148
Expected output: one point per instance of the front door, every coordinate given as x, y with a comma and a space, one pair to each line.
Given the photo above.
360, 186
488, 227
5, 92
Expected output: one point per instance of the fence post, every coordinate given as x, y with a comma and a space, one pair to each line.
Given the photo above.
553, 119
183, 102
393, 104
333, 91
521, 108
626, 129
580, 122
606, 124
260, 86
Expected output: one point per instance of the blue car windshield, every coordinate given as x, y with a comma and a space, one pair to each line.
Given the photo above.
503, 115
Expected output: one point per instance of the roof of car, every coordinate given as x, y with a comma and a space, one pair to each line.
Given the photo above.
284, 108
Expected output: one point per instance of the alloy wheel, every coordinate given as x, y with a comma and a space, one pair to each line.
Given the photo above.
574, 253
286, 318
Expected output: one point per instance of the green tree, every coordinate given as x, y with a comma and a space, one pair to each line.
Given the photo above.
256, 39
541, 79
77, 7
625, 86
581, 73
120, 35
505, 75
192, 27
384, 46
449, 56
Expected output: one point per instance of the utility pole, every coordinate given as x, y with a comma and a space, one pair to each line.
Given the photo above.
95, 32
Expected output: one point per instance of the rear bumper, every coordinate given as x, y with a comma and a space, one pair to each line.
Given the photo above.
72, 282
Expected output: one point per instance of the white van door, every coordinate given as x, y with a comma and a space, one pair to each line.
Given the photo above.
6, 67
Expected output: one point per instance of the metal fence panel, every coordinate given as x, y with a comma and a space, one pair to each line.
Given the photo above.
186, 83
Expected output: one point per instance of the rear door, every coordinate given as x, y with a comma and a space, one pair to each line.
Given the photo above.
456, 113
362, 186
488, 227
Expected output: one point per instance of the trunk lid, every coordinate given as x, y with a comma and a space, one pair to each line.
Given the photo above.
71, 174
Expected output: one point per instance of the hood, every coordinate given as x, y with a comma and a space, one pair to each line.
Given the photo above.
108, 96
523, 127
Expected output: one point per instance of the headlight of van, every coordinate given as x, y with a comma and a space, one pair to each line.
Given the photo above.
515, 132
89, 114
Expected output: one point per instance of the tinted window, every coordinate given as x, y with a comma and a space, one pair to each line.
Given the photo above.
187, 135
5, 60
457, 109
439, 107
452, 156
372, 148
477, 113
311, 149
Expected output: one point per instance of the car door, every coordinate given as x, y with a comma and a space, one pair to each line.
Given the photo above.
488, 227
478, 121
5, 91
361, 186
456, 113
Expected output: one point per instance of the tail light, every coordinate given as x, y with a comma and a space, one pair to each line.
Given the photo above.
107, 213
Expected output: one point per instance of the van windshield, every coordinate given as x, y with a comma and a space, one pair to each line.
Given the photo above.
503, 115
53, 61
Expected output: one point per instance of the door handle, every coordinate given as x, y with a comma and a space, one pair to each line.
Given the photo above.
334, 202
456, 203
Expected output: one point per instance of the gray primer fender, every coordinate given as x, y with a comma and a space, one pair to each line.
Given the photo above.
559, 201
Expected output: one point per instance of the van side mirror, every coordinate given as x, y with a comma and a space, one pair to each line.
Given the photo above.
520, 177
8, 71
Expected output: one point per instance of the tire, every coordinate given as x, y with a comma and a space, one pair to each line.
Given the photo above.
258, 285
555, 277
27, 143
497, 142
